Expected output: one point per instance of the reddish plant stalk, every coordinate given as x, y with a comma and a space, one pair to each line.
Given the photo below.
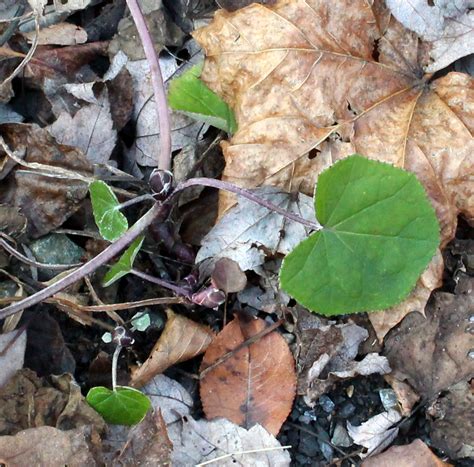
164, 158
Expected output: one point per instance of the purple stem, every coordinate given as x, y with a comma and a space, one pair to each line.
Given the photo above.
221, 185
164, 158
87, 268
155, 280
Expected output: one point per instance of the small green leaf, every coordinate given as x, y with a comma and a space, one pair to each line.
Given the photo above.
124, 265
379, 234
191, 96
111, 222
124, 406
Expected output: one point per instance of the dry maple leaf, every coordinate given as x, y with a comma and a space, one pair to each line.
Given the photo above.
312, 82
257, 384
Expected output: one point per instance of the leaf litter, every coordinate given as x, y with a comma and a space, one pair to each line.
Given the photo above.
293, 122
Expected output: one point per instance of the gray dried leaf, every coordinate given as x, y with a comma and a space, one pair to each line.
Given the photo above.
228, 276
447, 25
12, 354
248, 231
376, 433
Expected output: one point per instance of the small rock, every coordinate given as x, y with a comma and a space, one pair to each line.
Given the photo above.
346, 410
388, 398
304, 419
340, 437
308, 444
326, 403
327, 450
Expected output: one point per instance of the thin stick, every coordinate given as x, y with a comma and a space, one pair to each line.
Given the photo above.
28, 56
238, 453
155, 280
232, 352
87, 268
226, 186
164, 158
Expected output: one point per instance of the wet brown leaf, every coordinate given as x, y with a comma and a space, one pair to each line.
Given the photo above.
45, 201
415, 454
181, 340
432, 353
452, 428
312, 82
48, 446
257, 384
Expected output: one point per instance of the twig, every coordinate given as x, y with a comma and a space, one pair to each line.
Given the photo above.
226, 186
155, 280
28, 56
88, 267
114, 366
247, 342
238, 453
164, 158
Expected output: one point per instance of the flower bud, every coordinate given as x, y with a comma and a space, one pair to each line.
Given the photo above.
161, 184
120, 336
209, 297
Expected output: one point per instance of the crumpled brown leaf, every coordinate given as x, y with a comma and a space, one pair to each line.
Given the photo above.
432, 353
447, 26
27, 401
257, 384
452, 427
181, 340
49, 446
45, 201
415, 454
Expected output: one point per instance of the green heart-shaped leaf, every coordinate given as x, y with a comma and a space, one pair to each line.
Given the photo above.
125, 264
379, 234
191, 96
124, 406
105, 206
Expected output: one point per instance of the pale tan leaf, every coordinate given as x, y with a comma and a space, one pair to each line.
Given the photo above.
59, 34
12, 354
181, 340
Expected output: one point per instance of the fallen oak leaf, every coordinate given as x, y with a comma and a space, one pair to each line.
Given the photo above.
254, 385
181, 340
308, 92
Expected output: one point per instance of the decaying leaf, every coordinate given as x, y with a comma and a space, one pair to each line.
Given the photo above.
12, 354
144, 444
201, 441
46, 445
256, 385
27, 401
415, 454
325, 354
59, 34
170, 397
181, 340
307, 91
91, 129
433, 353
447, 26
250, 232
376, 433
46, 201
185, 130
431, 279
12, 221
452, 427
406, 396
